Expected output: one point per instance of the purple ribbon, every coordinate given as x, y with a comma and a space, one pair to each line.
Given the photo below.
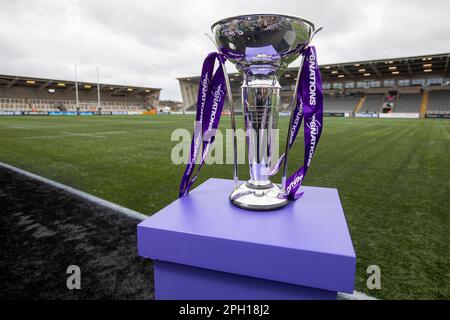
309, 108
211, 97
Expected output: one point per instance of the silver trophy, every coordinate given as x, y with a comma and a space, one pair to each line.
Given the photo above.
261, 46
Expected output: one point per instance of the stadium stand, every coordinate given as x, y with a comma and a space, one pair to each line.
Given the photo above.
401, 79
439, 102
192, 108
236, 104
11, 104
25, 95
408, 102
340, 104
373, 103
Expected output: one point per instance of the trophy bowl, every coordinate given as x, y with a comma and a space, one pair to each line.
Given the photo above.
261, 46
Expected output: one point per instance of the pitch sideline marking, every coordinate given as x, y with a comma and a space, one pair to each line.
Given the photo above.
99, 133
64, 135
18, 127
355, 296
80, 134
75, 134
115, 207
111, 132
133, 214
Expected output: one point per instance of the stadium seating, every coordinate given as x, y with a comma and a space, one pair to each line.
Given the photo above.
47, 105
12, 104
338, 104
439, 102
408, 103
226, 107
331, 104
373, 103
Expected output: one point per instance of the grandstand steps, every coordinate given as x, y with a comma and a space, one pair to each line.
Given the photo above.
360, 104
424, 104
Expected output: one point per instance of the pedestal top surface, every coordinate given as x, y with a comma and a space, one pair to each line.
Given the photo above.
315, 223
309, 232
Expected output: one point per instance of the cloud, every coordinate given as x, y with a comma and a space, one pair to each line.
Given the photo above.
150, 43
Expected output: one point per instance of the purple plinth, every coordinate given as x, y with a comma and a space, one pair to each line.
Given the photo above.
204, 247
174, 281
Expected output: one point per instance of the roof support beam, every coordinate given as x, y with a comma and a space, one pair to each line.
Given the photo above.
347, 73
45, 85
409, 67
116, 91
13, 82
136, 92
447, 61
375, 69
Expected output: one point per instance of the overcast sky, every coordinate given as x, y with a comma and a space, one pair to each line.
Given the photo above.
150, 43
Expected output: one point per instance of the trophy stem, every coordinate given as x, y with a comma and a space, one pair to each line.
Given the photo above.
261, 103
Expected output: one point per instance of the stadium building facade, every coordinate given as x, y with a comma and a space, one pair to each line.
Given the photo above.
38, 96
409, 87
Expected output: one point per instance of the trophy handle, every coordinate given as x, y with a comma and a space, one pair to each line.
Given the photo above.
292, 105
232, 116
314, 34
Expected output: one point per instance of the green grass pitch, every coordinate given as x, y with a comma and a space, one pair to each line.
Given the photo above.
393, 177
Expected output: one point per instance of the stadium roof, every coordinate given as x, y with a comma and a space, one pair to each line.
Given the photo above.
402, 68
7, 81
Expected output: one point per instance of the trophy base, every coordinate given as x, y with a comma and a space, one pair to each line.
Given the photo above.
257, 199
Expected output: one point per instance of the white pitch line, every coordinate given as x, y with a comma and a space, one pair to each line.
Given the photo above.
52, 126
79, 134
48, 136
115, 207
112, 132
64, 135
134, 214
355, 296
18, 127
